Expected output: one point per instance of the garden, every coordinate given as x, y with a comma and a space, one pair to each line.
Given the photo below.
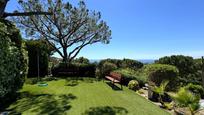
35, 82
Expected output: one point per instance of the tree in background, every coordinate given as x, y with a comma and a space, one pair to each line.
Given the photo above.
82, 60
38, 50
188, 69
68, 30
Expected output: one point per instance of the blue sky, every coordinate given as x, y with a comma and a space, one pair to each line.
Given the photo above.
147, 29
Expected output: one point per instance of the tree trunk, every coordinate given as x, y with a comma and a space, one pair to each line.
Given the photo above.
202, 75
65, 57
3, 4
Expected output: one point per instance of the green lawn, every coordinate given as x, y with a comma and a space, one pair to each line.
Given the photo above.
86, 97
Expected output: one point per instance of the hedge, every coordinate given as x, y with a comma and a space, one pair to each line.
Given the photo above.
74, 70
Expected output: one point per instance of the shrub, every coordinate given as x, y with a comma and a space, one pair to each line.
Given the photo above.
13, 61
81, 60
133, 64
184, 98
195, 89
107, 68
117, 62
130, 74
157, 73
133, 85
74, 70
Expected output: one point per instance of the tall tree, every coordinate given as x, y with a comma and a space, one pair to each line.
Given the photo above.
68, 30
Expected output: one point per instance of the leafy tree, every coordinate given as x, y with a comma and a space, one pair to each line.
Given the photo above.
13, 61
38, 48
187, 69
133, 64
68, 30
156, 73
82, 60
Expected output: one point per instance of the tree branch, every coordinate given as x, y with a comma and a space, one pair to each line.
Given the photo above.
78, 49
26, 14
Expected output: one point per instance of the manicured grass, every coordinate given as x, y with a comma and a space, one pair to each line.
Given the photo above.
86, 97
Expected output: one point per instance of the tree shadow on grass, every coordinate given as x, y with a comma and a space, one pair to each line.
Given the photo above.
74, 81
42, 104
106, 110
114, 87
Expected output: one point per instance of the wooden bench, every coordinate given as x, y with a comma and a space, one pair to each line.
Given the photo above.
115, 78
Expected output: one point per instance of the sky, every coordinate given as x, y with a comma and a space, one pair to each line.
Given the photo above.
147, 29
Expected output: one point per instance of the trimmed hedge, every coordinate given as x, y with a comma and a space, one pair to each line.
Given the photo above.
74, 70
130, 74
156, 73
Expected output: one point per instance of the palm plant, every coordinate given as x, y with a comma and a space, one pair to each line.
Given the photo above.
160, 90
185, 98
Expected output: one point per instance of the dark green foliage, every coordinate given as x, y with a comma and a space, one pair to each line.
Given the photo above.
195, 89
133, 64
133, 85
117, 64
81, 60
74, 70
37, 48
105, 69
188, 72
13, 61
125, 63
184, 98
157, 73
130, 74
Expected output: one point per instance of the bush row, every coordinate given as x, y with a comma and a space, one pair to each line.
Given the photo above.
74, 70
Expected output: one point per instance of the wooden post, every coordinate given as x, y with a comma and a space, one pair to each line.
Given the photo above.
38, 64
202, 70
